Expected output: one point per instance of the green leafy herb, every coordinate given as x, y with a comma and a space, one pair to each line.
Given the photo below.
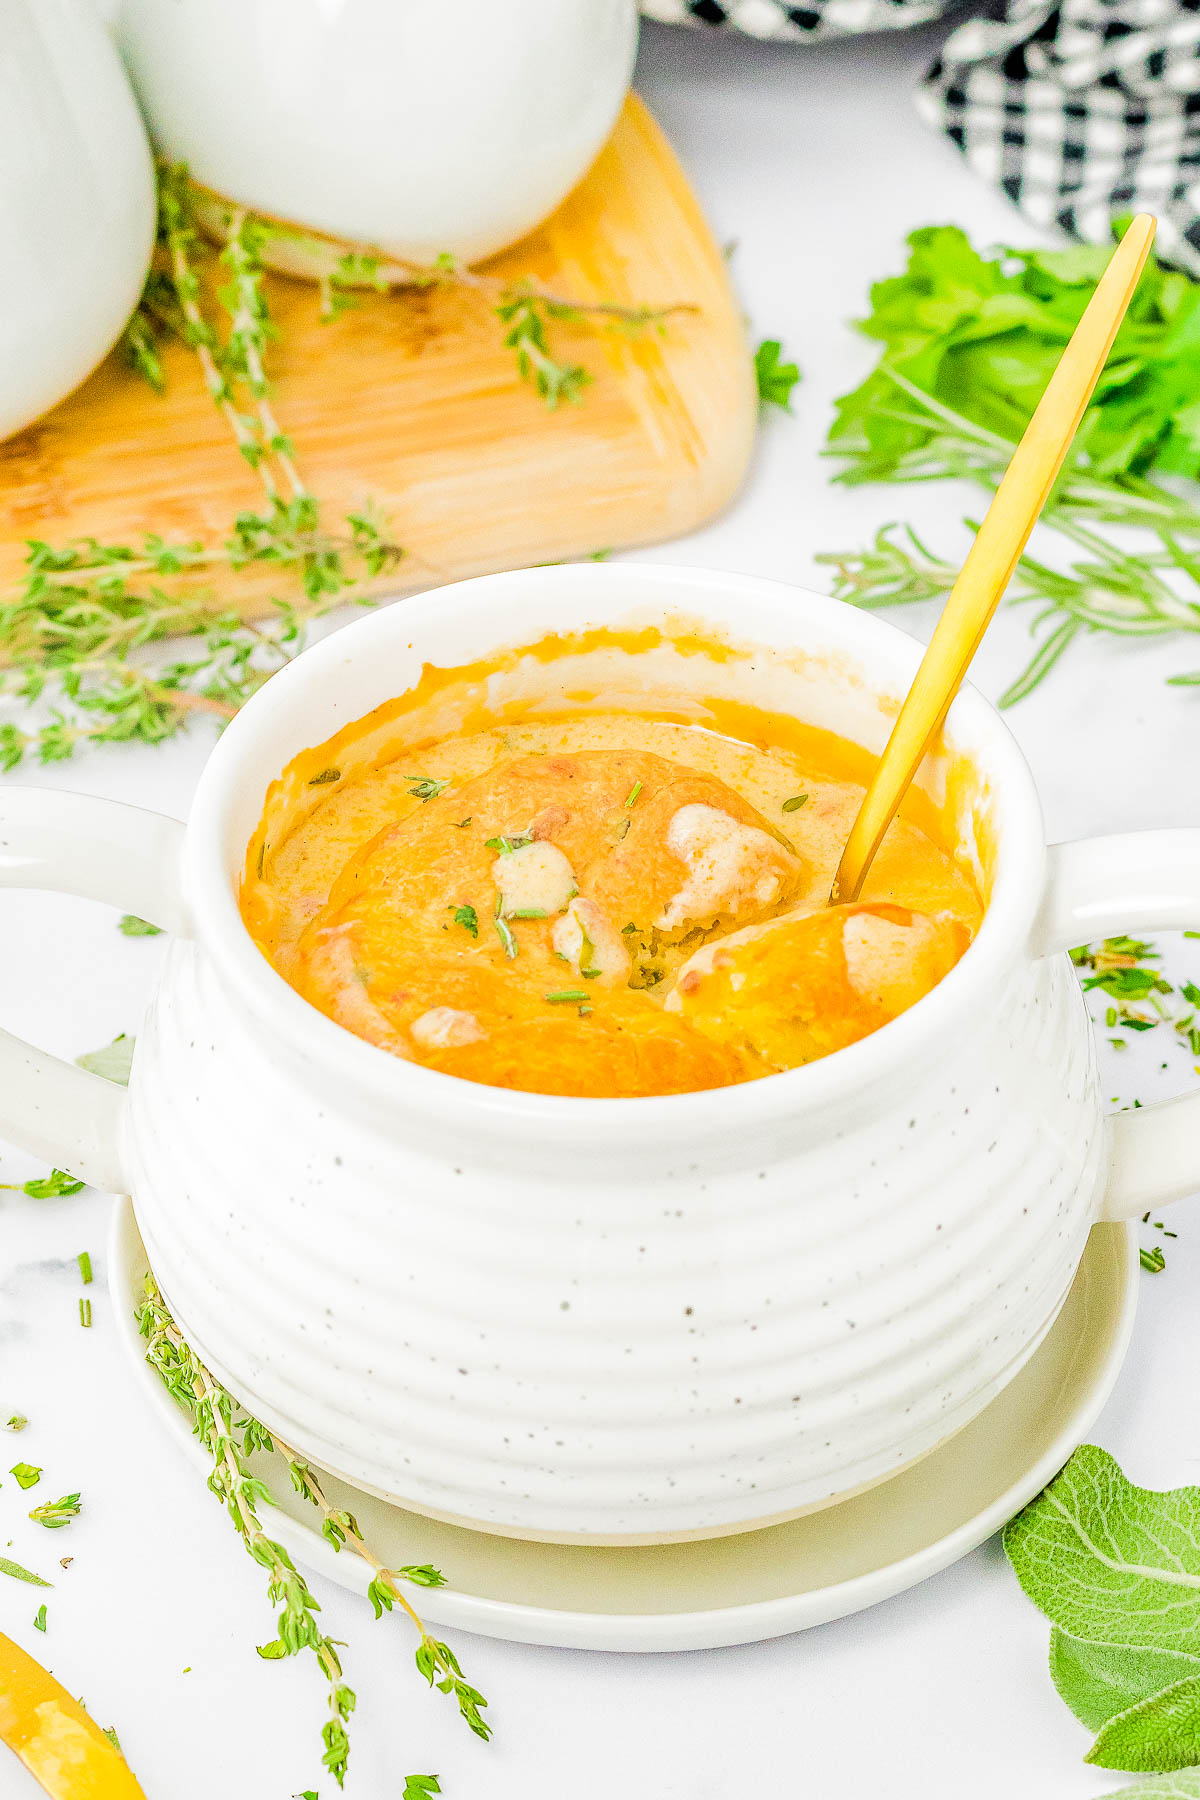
1116, 1568
135, 927
564, 995
468, 918
420, 1787
54, 1514
1152, 1259
504, 846
325, 777
502, 929
231, 1437
627, 929
461, 824
969, 343
795, 803
16, 1422
39, 1622
54, 1186
26, 1475
775, 378
85, 1267
19, 1574
113, 1061
425, 787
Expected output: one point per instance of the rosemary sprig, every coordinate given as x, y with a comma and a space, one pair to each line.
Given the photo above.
231, 1436
1107, 588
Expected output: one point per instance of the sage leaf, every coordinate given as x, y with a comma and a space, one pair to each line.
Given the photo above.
1111, 1562
1158, 1734
1098, 1681
1185, 1785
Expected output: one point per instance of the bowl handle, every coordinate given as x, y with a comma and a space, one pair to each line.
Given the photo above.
1147, 881
102, 850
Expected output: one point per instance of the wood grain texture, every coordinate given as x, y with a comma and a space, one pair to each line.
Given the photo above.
412, 401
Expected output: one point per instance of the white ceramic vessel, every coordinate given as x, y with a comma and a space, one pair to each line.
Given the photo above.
417, 126
610, 1320
76, 202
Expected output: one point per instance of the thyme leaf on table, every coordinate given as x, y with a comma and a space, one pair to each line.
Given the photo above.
231, 1436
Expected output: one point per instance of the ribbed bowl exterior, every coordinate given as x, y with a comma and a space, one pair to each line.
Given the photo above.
613, 1343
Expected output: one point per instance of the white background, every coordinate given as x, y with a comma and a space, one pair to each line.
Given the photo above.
815, 163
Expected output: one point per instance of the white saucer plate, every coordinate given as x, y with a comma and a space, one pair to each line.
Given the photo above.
757, 1584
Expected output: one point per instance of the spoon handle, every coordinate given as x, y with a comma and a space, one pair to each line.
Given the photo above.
994, 555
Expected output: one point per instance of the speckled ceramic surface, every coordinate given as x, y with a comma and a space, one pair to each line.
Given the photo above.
756, 1584
610, 1321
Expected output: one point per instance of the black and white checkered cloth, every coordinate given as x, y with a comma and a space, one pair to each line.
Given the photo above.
1081, 110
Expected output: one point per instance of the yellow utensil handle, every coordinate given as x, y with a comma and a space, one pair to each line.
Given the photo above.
53, 1736
993, 556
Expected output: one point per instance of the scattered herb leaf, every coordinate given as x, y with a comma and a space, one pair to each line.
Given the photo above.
54, 1186
19, 1574
26, 1475
132, 926
325, 777
113, 1061
795, 803
775, 378
426, 787
54, 1514
468, 918
39, 1621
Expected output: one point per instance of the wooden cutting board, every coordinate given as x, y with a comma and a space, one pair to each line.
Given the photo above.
412, 401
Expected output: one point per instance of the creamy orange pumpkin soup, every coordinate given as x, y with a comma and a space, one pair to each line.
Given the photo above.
602, 904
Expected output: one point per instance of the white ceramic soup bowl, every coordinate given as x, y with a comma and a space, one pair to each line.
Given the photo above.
609, 1320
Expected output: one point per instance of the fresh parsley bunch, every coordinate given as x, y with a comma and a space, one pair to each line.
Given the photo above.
969, 344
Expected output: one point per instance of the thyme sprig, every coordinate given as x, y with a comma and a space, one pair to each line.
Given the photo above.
81, 633
231, 1436
526, 309
1132, 593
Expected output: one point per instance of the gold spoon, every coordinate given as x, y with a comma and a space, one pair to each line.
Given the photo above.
1001, 538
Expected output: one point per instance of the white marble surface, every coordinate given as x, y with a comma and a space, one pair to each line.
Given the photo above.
815, 163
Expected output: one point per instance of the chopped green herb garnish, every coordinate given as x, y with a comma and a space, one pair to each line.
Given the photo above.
85, 1313
631, 796
1191, 993
426, 787
16, 1422
54, 1186
54, 1514
565, 995
468, 918
39, 1623
461, 824
528, 912
27, 1476
20, 1574
585, 1012
626, 929
1153, 1261
113, 1061
85, 1267
132, 926
502, 931
774, 377
504, 846
326, 776
795, 803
